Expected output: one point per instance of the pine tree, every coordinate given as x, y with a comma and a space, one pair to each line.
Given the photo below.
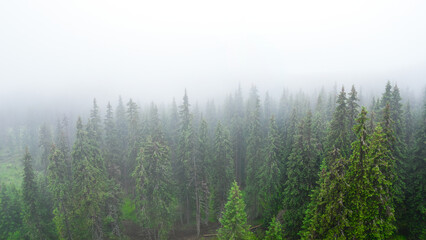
352, 113
234, 218
302, 169
185, 156
45, 142
122, 139
369, 197
416, 193
154, 191
270, 173
222, 167
254, 154
88, 187
133, 140
275, 231
59, 185
10, 213
31, 212
338, 133
327, 214
204, 156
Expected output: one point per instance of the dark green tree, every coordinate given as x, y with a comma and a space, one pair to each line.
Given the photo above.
154, 189
254, 154
416, 193
60, 186
222, 167
270, 174
352, 113
234, 218
89, 183
10, 213
338, 133
275, 231
302, 169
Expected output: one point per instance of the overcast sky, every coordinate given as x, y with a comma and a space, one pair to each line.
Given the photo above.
53, 51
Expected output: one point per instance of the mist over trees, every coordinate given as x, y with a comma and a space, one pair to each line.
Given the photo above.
328, 165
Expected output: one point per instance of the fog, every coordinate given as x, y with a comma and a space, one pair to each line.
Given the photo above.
65, 53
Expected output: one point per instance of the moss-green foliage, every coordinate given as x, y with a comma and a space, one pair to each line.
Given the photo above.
155, 197
302, 175
275, 231
234, 218
10, 212
10, 168
128, 210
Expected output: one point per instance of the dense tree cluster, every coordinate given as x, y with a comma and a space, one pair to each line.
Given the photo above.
304, 168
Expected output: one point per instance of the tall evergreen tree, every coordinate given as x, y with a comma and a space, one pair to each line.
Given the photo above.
254, 153
416, 193
338, 133
133, 140
60, 186
302, 169
154, 191
204, 156
34, 228
234, 218
270, 173
222, 167
369, 197
88, 187
352, 113
45, 142
185, 157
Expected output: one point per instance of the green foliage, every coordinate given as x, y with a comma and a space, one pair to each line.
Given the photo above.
275, 231
234, 218
222, 167
89, 187
128, 210
155, 197
10, 212
270, 173
302, 169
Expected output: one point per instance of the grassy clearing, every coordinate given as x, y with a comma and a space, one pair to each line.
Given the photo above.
10, 168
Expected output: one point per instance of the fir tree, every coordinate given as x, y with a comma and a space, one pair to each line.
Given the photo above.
254, 154
234, 218
88, 187
185, 156
270, 173
204, 156
275, 231
31, 207
302, 168
352, 113
154, 190
416, 193
59, 184
222, 167
338, 133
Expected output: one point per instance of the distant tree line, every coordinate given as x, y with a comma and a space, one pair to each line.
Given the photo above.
303, 167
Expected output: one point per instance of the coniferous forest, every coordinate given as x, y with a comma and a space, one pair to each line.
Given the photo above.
329, 165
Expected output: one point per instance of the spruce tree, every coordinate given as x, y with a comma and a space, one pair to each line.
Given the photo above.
185, 157
369, 197
234, 218
338, 133
416, 193
275, 231
31, 206
88, 187
302, 169
254, 154
154, 191
352, 113
222, 167
204, 156
59, 184
270, 173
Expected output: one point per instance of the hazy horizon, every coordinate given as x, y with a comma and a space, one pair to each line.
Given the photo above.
54, 52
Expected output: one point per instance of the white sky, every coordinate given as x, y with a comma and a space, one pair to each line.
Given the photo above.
151, 50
